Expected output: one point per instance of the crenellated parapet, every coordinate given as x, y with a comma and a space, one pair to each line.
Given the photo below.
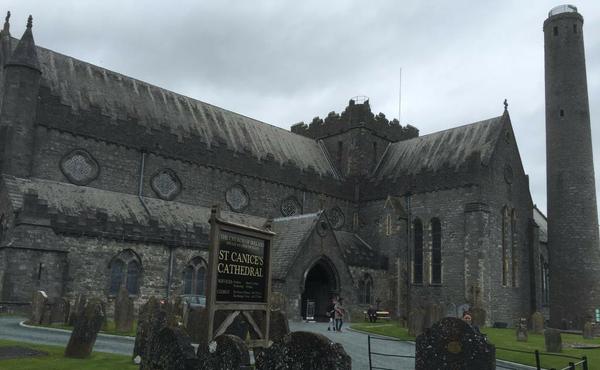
356, 115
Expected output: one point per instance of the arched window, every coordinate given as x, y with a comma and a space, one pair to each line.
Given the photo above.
365, 290
436, 251
505, 241
125, 270
418, 252
194, 277
545, 281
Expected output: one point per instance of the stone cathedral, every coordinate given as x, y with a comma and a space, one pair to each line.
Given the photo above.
108, 181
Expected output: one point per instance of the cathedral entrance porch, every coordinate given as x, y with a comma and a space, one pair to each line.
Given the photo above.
320, 286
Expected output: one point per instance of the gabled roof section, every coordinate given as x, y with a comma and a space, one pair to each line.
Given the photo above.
290, 235
542, 222
83, 86
357, 252
449, 149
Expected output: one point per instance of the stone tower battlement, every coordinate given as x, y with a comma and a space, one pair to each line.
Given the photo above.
572, 211
356, 115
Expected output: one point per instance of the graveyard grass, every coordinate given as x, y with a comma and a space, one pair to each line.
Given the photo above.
57, 361
506, 338
109, 330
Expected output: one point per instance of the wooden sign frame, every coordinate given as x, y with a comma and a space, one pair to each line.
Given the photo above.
218, 226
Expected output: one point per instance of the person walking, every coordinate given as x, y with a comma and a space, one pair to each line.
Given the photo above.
339, 314
331, 314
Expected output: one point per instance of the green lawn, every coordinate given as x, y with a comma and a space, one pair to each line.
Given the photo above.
57, 361
506, 338
110, 328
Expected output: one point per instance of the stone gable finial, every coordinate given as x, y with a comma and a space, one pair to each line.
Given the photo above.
30, 21
6, 23
505, 104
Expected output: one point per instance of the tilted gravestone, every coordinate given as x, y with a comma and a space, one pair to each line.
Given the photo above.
433, 314
38, 307
78, 307
416, 322
552, 340
537, 323
588, 330
303, 350
86, 330
478, 315
170, 349
226, 352
59, 311
522, 335
452, 344
123, 311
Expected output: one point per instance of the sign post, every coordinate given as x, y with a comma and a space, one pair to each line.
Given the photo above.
239, 275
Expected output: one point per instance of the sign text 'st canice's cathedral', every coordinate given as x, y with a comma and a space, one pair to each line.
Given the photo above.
107, 181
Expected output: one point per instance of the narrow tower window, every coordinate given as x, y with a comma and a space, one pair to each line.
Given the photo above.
505, 238
574, 28
562, 113
514, 247
436, 251
555, 31
418, 250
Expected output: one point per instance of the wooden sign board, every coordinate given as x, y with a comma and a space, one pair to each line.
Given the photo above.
239, 275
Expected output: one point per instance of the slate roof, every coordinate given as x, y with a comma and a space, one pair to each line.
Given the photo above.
357, 252
73, 200
540, 219
450, 148
81, 85
291, 232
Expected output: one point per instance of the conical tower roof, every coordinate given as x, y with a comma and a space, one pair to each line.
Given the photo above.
25, 54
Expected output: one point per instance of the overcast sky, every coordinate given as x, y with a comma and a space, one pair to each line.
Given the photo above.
283, 62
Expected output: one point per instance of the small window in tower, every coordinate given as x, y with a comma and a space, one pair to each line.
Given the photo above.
555, 31
574, 28
562, 113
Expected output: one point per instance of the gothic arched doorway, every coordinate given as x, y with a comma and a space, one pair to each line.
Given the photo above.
320, 285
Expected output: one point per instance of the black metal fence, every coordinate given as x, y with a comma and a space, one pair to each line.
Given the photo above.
581, 364
375, 354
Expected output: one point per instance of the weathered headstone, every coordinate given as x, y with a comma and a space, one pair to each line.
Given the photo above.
170, 349
552, 340
588, 330
537, 323
416, 322
59, 311
86, 330
77, 308
522, 335
197, 324
278, 301
278, 327
226, 352
478, 315
151, 319
303, 350
451, 310
38, 307
123, 311
452, 344
433, 314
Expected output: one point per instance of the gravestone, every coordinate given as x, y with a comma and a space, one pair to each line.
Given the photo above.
433, 314
588, 330
452, 344
552, 340
59, 311
123, 311
416, 321
278, 301
278, 327
522, 335
537, 323
303, 350
226, 352
78, 307
478, 315
197, 324
38, 307
86, 330
451, 310
151, 319
170, 349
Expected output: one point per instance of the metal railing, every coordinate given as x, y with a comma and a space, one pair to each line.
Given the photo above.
371, 353
582, 361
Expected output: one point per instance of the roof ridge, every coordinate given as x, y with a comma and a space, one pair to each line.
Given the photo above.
296, 217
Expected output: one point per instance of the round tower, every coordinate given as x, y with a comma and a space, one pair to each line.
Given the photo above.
572, 213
